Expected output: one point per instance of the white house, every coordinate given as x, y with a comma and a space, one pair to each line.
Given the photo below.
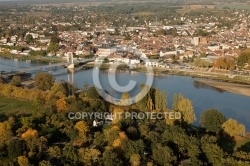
196, 41
110, 29
34, 35
134, 61
44, 40
125, 60
35, 48
213, 47
176, 52
167, 27
153, 63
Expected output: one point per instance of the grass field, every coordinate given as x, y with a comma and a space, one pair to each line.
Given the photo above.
144, 13
10, 105
242, 143
189, 8
238, 6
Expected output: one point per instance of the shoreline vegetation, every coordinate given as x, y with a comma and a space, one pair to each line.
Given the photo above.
37, 59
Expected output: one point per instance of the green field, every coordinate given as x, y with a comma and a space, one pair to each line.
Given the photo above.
234, 6
10, 105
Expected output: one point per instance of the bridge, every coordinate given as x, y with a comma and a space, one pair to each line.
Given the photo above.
43, 67
69, 64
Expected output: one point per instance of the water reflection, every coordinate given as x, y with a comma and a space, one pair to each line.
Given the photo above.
200, 85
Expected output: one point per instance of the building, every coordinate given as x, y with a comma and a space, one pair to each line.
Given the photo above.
153, 63
196, 41
34, 35
203, 40
104, 52
213, 47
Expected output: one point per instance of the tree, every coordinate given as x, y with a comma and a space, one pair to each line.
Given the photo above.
53, 47
70, 155
5, 133
127, 37
185, 107
163, 155
14, 148
233, 128
44, 81
23, 161
92, 93
61, 105
7, 36
16, 80
117, 112
38, 53
161, 32
212, 151
118, 141
31, 137
54, 39
45, 163
201, 32
82, 128
131, 147
55, 152
58, 91
147, 103
117, 32
29, 39
135, 160
160, 100
98, 141
1, 80
192, 145
177, 99
202, 63
89, 157
172, 32
111, 134
212, 120
225, 63
110, 158
244, 58
179, 141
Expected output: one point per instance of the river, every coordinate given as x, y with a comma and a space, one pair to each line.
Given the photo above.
202, 96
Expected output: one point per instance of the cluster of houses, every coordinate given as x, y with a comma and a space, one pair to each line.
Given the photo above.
143, 42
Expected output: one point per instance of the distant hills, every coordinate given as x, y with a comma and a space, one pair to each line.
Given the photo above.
126, 1
130, 0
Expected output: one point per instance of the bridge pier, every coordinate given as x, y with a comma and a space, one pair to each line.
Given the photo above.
71, 66
70, 60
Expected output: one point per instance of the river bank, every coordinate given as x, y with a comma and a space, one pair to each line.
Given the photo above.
230, 87
237, 79
35, 59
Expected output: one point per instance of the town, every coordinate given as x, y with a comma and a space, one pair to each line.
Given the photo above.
215, 38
